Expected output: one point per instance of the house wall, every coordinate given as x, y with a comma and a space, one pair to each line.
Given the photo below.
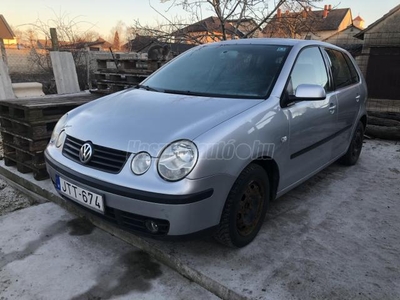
322, 35
384, 34
347, 21
345, 37
203, 37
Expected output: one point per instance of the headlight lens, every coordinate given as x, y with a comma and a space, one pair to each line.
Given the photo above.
61, 139
58, 128
177, 160
141, 163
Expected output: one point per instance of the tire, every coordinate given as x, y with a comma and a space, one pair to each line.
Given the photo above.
245, 208
354, 151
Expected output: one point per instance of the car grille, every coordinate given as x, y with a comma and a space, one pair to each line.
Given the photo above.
104, 159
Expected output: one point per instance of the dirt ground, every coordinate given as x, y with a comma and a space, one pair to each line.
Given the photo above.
11, 199
336, 236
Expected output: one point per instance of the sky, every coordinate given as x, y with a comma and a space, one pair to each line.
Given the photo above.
102, 15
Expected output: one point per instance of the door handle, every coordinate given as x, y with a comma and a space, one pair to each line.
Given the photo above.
332, 108
358, 98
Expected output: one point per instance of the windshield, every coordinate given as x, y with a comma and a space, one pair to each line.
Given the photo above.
238, 71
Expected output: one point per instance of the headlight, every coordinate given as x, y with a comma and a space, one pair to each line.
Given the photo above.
141, 163
177, 160
61, 139
58, 128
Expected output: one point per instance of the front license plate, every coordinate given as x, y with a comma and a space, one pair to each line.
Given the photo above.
83, 196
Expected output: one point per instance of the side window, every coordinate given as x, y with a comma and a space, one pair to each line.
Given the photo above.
342, 73
308, 69
355, 78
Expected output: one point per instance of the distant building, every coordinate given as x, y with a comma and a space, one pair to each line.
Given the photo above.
245, 26
309, 24
380, 59
206, 31
345, 39
6, 34
359, 22
98, 45
144, 44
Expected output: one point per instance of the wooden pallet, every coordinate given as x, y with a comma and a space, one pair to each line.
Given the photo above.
26, 127
122, 64
120, 78
36, 109
25, 162
33, 130
24, 143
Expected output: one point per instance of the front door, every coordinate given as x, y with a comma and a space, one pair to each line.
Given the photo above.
312, 123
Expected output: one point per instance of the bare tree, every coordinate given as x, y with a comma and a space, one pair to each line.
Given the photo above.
73, 35
116, 43
294, 21
122, 30
231, 18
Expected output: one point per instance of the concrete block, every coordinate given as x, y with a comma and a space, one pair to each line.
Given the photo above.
64, 72
6, 91
27, 89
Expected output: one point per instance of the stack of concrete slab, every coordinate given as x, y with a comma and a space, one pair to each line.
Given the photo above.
6, 90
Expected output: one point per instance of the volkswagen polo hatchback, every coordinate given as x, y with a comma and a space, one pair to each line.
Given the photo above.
206, 142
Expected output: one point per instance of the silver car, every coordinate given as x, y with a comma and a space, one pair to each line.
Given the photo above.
206, 142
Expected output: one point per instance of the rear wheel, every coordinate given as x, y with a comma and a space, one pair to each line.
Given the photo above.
354, 151
245, 208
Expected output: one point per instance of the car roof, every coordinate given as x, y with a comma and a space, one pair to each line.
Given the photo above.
276, 41
267, 41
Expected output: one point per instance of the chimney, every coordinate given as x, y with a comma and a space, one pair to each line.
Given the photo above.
304, 13
330, 7
325, 12
279, 13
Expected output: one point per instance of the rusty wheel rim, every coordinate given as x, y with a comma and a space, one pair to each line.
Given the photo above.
250, 208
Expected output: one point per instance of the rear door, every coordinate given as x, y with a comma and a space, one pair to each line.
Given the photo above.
347, 88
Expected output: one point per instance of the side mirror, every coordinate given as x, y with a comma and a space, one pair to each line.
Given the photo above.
309, 92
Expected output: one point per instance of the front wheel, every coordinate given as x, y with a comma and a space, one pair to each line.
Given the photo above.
354, 151
245, 208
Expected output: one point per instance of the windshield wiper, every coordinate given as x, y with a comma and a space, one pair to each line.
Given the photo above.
189, 93
205, 94
147, 88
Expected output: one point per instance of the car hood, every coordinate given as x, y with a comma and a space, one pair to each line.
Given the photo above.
138, 120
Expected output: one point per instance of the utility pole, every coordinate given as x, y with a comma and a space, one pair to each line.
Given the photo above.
54, 39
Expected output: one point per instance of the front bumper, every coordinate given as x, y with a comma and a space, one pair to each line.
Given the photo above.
179, 214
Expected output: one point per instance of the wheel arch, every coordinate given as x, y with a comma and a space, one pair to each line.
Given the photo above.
363, 120
271, 168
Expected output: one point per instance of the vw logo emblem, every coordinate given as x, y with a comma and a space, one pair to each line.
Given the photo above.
86, 152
